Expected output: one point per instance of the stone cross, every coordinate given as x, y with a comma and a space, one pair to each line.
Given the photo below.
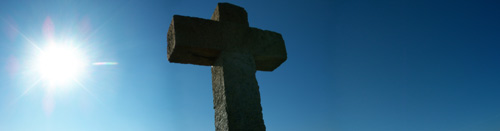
235, 51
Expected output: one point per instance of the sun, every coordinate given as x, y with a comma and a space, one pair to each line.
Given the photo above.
60, 64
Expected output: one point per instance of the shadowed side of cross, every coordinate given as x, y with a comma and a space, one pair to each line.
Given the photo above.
235, 51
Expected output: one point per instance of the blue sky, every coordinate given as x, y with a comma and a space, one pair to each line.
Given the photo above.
352, 66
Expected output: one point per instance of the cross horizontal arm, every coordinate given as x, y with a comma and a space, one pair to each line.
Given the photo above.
199, 41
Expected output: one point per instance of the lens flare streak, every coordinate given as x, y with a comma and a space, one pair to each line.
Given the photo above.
104, 63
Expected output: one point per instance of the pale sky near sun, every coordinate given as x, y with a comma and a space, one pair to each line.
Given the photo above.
353, 65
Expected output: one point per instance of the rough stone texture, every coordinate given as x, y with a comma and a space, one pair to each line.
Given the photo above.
199, 41
236, 93
235, 52
226, 12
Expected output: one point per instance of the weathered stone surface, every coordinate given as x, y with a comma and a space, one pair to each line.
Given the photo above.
226, 12
235, 52
236, 93
199, 41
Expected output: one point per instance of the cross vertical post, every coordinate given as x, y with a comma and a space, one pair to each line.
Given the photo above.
236, 93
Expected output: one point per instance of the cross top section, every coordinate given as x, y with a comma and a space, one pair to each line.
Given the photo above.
199, 41
225, 12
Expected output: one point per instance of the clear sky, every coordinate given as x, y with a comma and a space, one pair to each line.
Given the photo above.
352, 66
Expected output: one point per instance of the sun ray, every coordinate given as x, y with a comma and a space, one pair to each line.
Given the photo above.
88, 91
26, 91
24, 36
30, 87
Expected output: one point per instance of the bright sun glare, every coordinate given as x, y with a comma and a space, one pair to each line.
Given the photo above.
59, 61
60, 64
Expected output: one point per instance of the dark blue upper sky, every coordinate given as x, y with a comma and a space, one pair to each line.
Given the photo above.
352, 66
